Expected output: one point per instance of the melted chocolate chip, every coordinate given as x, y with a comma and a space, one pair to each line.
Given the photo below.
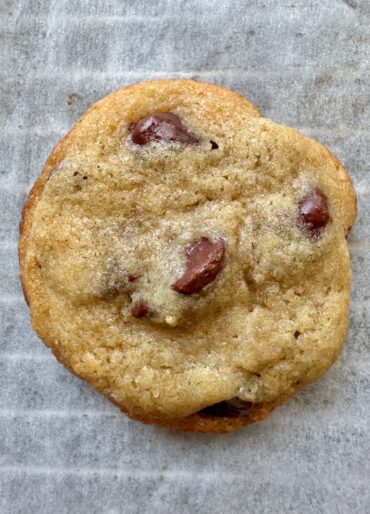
161, 126
297, 334
233, 408
140, 310
214, 145
204, 261
133, 278
314, 211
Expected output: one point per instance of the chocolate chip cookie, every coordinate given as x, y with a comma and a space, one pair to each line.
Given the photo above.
188, 257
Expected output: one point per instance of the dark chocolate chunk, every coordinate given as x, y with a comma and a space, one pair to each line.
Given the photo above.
140, 310
161, 126
204, 261
233, 408
214, 145
314, 211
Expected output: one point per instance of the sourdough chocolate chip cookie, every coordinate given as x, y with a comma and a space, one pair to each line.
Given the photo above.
188, 257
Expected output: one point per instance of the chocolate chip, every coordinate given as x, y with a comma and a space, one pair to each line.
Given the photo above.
314, 211
233, 408
161, 126
133, 278
297, 334
140, 310
214, 145
204, 261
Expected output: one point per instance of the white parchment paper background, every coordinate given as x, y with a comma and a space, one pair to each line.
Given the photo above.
64, 448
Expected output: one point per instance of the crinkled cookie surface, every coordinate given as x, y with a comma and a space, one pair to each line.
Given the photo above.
188, 257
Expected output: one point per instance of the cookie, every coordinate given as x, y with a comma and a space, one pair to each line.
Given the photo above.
188, 257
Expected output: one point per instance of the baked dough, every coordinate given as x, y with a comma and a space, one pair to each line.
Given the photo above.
179, 251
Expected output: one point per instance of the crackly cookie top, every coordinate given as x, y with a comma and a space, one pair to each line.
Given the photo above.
184, 252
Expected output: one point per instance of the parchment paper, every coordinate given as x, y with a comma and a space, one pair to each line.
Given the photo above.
63, 447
